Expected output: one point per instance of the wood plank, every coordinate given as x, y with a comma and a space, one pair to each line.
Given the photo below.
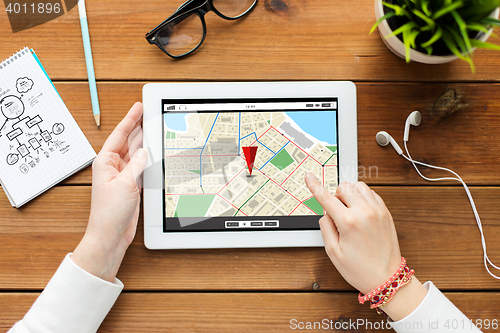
458, 131
436, 229
292, 40
246, 312
459, 127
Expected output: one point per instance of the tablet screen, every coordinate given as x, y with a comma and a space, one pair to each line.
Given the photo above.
239, 165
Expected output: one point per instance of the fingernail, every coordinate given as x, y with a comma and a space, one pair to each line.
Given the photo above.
310, 176
141, 153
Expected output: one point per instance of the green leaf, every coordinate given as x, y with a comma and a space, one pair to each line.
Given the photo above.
430, 22
451, 44
459, 40
475, 12
385, 17
400, 11
484, 45
434, 38
409, 3
453, 48
477, 27
490, 21
447, 9
471, 64
412, 36
405, 27
428, 49
463, 29
425, 8
406, 41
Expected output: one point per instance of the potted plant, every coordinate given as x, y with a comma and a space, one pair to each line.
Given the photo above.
436, 31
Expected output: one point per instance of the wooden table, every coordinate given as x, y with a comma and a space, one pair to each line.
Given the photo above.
250, 290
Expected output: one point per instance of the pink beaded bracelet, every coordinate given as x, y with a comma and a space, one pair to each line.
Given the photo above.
384, 293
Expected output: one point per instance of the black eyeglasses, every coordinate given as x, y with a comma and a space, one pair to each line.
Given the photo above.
184, 31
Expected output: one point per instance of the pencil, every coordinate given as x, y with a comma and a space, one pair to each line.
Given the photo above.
90, 64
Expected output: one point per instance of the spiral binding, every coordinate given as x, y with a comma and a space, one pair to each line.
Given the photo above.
14, 57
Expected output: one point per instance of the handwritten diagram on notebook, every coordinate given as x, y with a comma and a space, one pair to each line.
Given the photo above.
40, 142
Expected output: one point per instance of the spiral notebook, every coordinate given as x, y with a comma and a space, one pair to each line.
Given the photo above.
40, 142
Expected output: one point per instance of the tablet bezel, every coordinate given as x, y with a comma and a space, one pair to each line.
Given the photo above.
153, 93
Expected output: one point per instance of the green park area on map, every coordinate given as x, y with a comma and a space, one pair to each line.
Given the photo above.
282, 160
194, 205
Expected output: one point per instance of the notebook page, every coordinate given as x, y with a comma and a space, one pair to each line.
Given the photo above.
40, 142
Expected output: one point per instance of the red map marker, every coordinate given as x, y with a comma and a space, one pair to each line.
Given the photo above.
250, 153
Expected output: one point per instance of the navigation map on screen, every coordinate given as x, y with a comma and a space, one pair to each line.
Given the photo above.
248, 163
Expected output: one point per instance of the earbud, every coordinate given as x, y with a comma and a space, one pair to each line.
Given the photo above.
383, 138
413, 119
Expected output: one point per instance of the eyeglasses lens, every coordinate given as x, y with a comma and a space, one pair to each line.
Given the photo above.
182, 35
233, 8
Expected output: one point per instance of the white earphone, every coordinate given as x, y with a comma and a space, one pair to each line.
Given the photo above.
383, 138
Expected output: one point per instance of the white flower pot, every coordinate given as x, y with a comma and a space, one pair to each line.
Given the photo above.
398, 48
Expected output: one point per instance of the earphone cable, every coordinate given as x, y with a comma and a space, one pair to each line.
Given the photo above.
469, 195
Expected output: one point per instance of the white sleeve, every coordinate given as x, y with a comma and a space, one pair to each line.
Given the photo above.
73, 301
436, 313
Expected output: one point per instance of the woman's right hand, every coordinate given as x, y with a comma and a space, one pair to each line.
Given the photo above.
361, 241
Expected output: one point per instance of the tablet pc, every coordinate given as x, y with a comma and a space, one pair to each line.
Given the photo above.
227, 161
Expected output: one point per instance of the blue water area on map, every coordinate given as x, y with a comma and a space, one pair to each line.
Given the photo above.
320, 124
175, 121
